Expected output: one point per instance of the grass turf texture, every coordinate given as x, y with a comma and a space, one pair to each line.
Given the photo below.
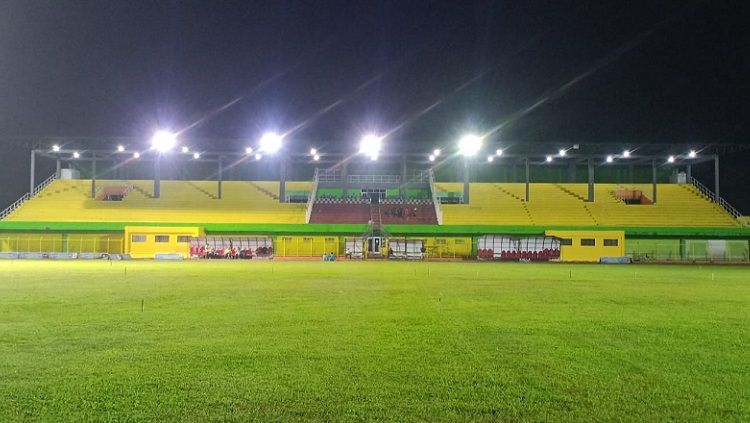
241, 341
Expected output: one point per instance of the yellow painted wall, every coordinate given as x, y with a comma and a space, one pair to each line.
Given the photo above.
305, 246
61, 243
447, 247
581, 253
150, 247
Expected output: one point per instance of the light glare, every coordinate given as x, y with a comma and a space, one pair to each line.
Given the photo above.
76, 155
270, 142
626, 153
469, 145
436, 152
670, 159
610, 159
196, 155
490, 159
499, 152
432, 157
316, 157
258, 156
562, 152
185, 149
120, 148
163, 141
136, 155
55, 147
313, 151
549, 159
692, 154
249, 150
370, 146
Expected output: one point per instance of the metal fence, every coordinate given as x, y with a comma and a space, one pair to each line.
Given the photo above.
61, 243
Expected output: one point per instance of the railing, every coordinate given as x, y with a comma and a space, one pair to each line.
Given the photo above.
311, 197
18, 203
328, 175
435, 202
718, 200
375, 179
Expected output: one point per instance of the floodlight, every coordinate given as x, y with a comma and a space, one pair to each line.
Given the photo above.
370, 145
313, 151
196, 155
692, 154
490, 158
163, 141
76, 155
55, 147
562, 152
136, 155
549, 159
436, 152
258, 156
120, 148
432, 157
610, 159
185, 149
626, 153
469, 145
670, 159
316, 157
499, 152
248, 150
270, 142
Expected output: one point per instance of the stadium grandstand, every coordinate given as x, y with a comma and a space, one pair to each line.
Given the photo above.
575, 205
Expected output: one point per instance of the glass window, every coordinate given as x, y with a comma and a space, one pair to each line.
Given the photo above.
611, 242
566, 241
183, 238
138, 238
588, 242
161, 238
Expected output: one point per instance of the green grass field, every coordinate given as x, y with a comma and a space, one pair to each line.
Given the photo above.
296, 341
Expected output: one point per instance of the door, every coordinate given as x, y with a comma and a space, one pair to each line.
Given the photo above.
373, 244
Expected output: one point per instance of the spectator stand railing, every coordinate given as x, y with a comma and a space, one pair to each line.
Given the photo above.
435, 202
718, 200
311, 197
18, 203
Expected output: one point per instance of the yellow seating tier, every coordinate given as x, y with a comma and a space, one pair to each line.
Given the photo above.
564, 204
180, 201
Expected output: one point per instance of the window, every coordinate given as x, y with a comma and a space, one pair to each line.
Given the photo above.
183, 238
138, 238
458, 241
611, 242
161, 238
440, 241
307, 239
588, 242
566, 241
330, 239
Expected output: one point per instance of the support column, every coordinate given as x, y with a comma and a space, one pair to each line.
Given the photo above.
344, 179
514, 173
93, 176
689, 172
282, 180
526, 163
220, 178
32, 172
653, 180
402, 185
631, 171
716, 176
157, 176
57, 168
466, 180
590, 166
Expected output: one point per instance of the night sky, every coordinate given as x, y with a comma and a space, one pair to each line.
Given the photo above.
641, 72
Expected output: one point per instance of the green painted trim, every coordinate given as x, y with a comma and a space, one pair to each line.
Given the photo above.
358, 229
